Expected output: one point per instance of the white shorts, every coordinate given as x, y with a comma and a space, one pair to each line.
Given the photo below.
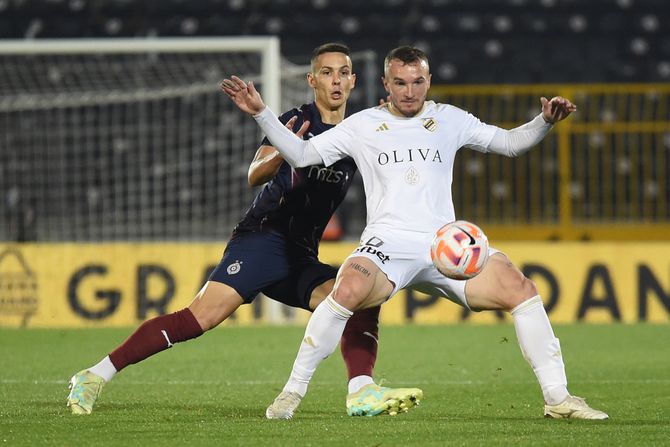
404, 257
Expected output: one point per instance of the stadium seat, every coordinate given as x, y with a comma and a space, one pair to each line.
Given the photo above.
469, 42
639, 27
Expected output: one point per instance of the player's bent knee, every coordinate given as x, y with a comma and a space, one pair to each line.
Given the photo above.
517, 290
214, 303
350, 293
530, 288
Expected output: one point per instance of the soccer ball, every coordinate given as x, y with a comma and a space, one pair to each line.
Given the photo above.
460, 250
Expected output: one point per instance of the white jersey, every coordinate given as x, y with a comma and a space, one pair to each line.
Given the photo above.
406, 163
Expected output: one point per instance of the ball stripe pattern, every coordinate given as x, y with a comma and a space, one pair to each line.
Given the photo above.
459, 250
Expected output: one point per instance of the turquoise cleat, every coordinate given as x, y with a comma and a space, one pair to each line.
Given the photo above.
372, 400
85, 388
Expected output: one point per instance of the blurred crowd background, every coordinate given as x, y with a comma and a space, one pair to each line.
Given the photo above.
470, 41
143, 147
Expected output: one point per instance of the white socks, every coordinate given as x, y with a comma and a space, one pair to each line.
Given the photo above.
322, 335
541, 348
104, 369
359, 382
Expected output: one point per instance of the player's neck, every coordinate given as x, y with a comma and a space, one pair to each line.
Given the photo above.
394, 111
329, 116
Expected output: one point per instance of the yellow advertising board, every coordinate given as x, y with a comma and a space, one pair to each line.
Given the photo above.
105, 285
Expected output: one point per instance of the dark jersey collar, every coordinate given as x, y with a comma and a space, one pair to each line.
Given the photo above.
311, 112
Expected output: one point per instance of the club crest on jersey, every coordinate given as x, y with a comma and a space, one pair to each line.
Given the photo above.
234, 268
430, 124
411, 176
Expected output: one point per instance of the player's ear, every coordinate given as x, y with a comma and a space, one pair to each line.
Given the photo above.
353, 80
311, 80
386, 86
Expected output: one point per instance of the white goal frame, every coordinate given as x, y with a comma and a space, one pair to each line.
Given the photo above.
267, 46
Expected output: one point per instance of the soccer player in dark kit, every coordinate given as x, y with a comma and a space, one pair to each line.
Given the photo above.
274, 250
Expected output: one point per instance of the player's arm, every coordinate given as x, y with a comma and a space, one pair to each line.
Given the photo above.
516, 141
297, 152
268, 160
264, 166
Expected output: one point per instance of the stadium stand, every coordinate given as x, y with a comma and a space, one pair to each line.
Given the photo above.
469, 42
480, 41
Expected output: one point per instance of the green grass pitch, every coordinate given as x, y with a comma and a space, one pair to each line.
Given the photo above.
214, 390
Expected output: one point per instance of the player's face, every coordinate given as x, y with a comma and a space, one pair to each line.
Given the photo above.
407, 85
332, 80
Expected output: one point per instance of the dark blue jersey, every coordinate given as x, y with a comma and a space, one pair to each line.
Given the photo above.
298, 203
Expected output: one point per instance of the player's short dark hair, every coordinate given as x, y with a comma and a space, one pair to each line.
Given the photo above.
331, 47
406, 55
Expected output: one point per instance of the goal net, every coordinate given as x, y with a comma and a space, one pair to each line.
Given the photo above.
127, 139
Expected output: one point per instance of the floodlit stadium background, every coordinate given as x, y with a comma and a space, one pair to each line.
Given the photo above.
122, 172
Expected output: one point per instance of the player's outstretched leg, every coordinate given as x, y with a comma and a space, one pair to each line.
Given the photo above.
503, 286
543, 351
85, 388
359, 350
153, 336
373, 400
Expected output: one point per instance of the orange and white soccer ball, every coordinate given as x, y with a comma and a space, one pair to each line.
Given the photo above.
460, 250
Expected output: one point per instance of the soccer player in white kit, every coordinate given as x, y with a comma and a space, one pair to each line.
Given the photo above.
405, 151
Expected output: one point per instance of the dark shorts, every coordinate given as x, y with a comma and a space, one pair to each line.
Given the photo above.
268, 263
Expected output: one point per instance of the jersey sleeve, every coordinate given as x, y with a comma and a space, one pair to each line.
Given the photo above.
477, 134
336, 143
284, 117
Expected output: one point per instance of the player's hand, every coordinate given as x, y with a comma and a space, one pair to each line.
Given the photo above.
300, 132
383, 101
244, 95
556, 109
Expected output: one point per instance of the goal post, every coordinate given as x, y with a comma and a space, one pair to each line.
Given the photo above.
127, 139
268, 47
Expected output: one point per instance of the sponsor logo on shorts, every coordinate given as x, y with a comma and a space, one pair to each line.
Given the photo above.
374, 241
371, 246
234, 268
